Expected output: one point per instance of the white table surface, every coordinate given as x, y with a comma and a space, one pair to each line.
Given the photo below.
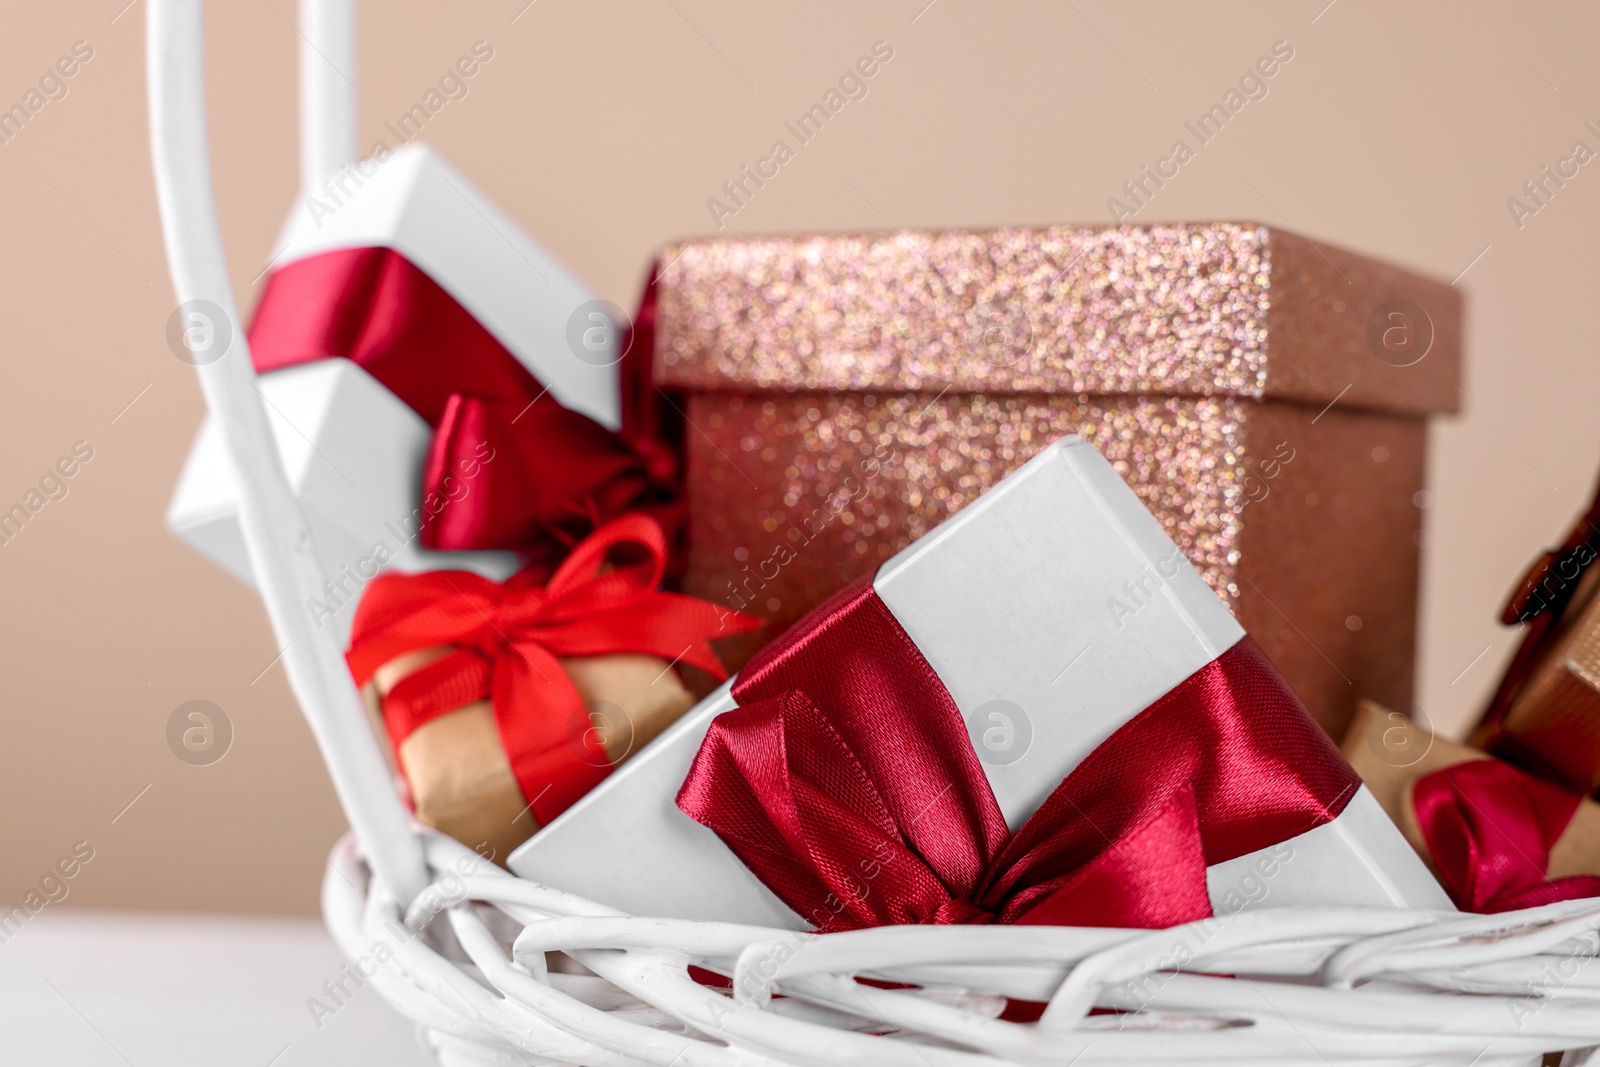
85, 989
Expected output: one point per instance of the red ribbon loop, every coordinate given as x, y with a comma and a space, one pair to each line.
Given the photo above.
847, 783
1489, 828
508, 639
508, 466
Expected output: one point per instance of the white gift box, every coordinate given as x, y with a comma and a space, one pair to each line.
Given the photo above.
354, 452
1011, 599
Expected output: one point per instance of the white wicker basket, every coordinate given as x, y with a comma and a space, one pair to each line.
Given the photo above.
498, 970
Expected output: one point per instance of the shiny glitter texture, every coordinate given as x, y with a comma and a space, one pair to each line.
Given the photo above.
847, 394
1012, 310
1235, 309
795, 495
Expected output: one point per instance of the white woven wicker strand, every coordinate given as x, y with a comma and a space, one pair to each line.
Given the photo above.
466, 950
1325, 986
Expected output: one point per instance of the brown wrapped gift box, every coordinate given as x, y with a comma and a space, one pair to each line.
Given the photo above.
845, 394
461, 781
1391, 753
1553, 724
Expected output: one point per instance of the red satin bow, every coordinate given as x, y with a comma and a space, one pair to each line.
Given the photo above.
847, 783
541, 476
509, 638
1489, 828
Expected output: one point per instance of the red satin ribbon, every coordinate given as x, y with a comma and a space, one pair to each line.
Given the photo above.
509, 638
555, 475
1489, 828
847, 783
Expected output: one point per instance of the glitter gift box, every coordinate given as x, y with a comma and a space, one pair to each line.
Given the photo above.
1264, 395
1004, 605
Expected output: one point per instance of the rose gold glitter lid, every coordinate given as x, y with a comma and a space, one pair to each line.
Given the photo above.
1182, 309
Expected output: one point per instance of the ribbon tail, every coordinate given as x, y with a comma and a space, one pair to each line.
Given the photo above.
1154, 876
555, 751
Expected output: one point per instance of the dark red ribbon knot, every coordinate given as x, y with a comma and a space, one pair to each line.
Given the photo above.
508, 639
1489, 828
541, 477
846, 781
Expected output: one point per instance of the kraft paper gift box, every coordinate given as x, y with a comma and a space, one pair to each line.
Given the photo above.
1523, 858
1266, 397
505, 701
460, 779
1554, 724
1545, 713
1055, 593
353, 450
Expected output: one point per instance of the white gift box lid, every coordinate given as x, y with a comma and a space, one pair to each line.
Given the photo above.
353, 450
422, 207
1055, 602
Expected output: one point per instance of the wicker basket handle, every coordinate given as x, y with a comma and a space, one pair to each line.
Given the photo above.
275, 531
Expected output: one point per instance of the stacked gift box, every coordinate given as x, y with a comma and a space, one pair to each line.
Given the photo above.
1045, 562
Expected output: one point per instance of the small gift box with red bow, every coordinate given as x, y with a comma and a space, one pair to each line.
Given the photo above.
506, 702
416, 359
1038, 712
1499, 838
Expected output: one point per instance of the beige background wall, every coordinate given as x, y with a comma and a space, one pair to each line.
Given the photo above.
1396, 130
